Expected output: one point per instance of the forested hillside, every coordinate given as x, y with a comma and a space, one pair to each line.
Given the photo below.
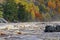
30, 10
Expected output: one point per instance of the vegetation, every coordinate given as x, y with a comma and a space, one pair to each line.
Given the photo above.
10, 10
25, 10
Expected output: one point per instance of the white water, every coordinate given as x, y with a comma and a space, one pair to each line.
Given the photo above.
30, 33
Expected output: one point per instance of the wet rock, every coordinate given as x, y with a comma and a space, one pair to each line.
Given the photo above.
50, 28
57, 28
18, 32
2, 33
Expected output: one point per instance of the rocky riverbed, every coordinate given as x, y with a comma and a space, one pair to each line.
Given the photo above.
29, 33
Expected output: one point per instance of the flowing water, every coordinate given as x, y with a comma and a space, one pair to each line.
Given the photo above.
30, 35
27, 34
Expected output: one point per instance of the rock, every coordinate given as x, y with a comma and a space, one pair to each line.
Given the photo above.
2, 33
49, 28
18, 32
57, 28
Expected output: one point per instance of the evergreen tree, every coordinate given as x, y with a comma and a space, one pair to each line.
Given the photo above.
10, 10
23, 15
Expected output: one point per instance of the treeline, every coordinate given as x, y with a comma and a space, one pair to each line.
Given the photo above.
50, 9
28, 11
18, 11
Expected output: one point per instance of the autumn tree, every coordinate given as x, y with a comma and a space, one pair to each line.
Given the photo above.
29, 7
52, 4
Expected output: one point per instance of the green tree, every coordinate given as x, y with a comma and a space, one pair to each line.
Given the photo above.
23, 15
1, 14
10, 10
1, 10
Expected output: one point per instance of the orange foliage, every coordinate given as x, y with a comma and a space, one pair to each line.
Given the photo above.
49, 3
57, 0
58, 4
38, 15
41, 17
52, 4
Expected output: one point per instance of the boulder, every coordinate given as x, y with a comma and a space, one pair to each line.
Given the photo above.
2, 33
50, 28
57, 28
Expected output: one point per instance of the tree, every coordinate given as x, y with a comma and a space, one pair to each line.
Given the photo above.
10, 10
1, 14
23, 15
1, 10
52, 4
29, 8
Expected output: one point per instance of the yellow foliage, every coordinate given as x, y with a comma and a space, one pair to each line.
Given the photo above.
59, 10
41, 1
30, 7
33, 15
46, 16
17, 1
